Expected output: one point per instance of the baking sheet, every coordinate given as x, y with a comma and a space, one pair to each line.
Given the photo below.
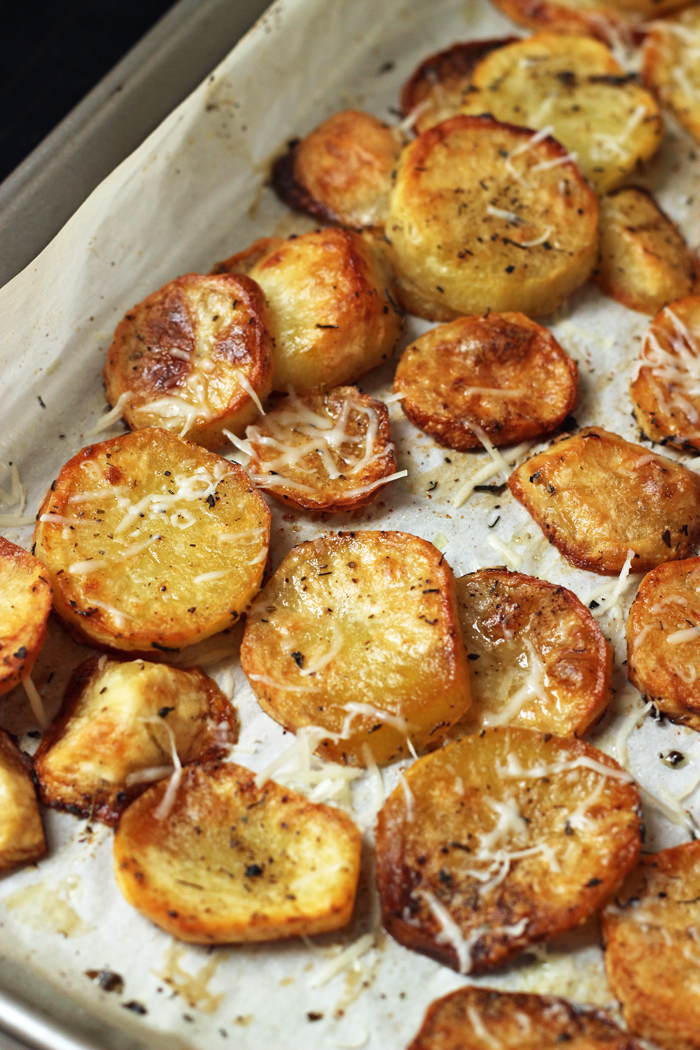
193, 193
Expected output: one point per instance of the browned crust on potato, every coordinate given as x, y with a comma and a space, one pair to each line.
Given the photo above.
26, 604
243, 262
607, 22
596, 496
497, 353
22, 838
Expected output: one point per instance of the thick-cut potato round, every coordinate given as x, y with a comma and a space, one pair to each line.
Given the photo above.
151, 542
25, 608
341, 171
644, 261
670, 66
330, 305
610, 20
663, 640
231, 862
537, 658
572, 84
500, 840
325, 452
193, 357
652, 950
596, 497
666, 389
481, 220
485, 1019
22, 838
358, 634
503, 372
116, 731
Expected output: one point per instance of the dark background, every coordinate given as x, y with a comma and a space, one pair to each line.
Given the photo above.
52, 52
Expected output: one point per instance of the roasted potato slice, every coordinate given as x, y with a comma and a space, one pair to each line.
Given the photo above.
670, 66
231, 862
358, 634
117, 729
651, 947
573, 85
26, 604
194, 357
644, 261
485, 1019
666, 388
329, 452
500, 840
663, 640
330, 304
597, 497
341, 171
537, 658
22, 838
488, 217
151, 542
611, 20
503, 372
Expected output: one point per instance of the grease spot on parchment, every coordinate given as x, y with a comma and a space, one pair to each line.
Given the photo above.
42, 906
192, 987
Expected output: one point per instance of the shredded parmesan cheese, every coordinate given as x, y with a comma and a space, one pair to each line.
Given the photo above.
340, 962
111, 417
168, 801
513, 769
689, 634
450, 932
17, 498
499, 462
512, 557
37, 704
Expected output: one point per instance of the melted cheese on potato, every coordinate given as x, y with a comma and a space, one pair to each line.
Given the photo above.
22, 838
25, 608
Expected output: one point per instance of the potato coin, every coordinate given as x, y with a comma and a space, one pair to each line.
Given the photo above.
611, 20
26, 604
22, 838
670, 66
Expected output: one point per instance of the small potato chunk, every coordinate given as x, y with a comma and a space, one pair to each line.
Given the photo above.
330, 305
328, 452
151, 542
663, 640
670, 66
231, 862
501, 840
22, 838
597, 497
503, 372
194, 357
644, 261
611, 20
342, 170
666, 389
485, 1019
116, 731
571, 83
537, 658
484, 217
358, 634
25, 608
651, 947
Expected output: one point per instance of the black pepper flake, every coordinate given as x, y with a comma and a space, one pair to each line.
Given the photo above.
165, 711
666, 537
313, 1016
137, 1008
473, 656
298, 659
21, 652
252, 871
210, 500
594, 882
107, 980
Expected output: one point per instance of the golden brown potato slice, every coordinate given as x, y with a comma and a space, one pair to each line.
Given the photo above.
194, 357
117, 729
537, 658
485, 1019
488, 217
598, 497
503, 372
26, 604
644, 261
231, 862
342, 170
22, 838
330, 305
358, 634
663, 640
670, 66
500, 840
572, 85
329, 452
666, 389
652, 954
611, 20
437, 88
151, 542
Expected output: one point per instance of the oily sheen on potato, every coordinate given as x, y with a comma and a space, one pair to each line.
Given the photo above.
500, 840
123, 725
22, 838
151, 542
25, 608
503, 372
358, 635
230, 862
670, 66
611, 20
194, 357
537, 658
598, 497
487, 217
